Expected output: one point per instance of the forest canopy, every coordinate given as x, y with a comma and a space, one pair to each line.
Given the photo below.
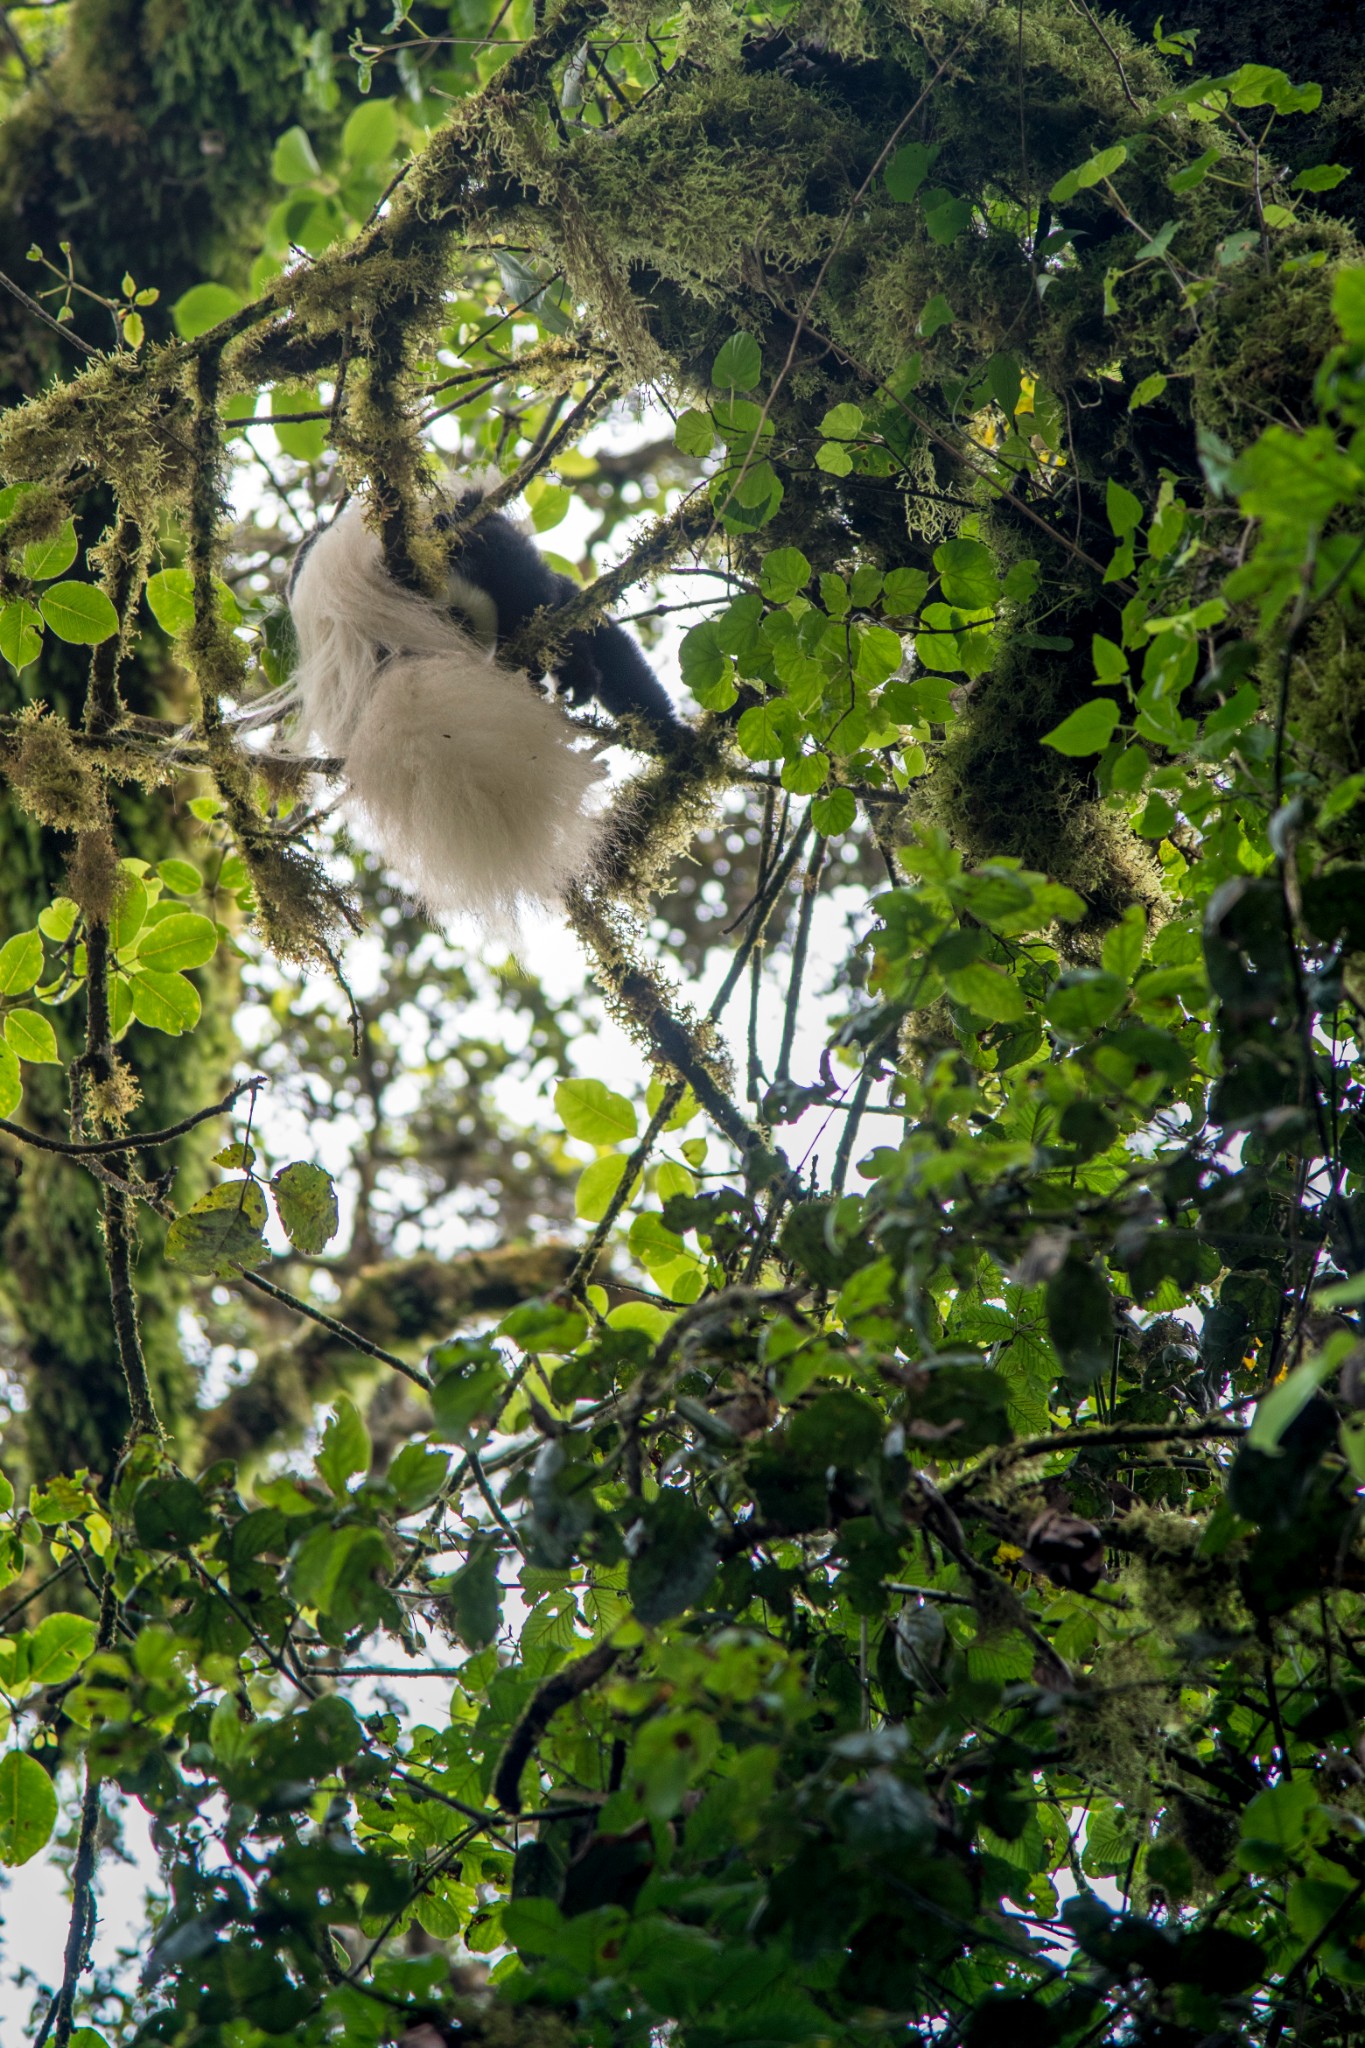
774, 1458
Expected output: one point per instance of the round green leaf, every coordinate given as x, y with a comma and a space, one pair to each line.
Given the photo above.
203, 306
307, 1203
804, 774
181, 877
165, 1002
79, 613
21, 963
1087, 731
293, 162
738, 364
768, 732
592, 1111
170, 598
57, 920
184, 939
833, 813
694, 433
43, 559
988, 992
31, 1036
58, 1647
369, 136
28, 1807
784, 572
597, 1184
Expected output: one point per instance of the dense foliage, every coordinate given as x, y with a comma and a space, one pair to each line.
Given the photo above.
898, 1591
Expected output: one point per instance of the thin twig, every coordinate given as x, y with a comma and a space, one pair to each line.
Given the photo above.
39, 312
1081, 9
93, 1148
338, 1329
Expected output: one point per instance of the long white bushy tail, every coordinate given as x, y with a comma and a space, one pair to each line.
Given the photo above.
467, 779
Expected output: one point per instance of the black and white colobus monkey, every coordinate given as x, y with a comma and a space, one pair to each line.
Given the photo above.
472, 783
499, 562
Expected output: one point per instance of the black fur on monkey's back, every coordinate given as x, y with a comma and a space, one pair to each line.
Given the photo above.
600, 662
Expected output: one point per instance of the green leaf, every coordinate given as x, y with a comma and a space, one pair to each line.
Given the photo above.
221, 1231
785, 571
1089, 173
805, 774
468, 1395
173, 944
32, 1038
834, 813
967, 574
945, 216
907, 170
43, 559
769, 732
28, 1807
1083, 1001
1087, 731
702, 660
988, 992
595, 1113
203, 306
21, 633
11, 1083
1121, 953
1348, 301
170, 599
307, 1203
180, 877
1125, 511
165, 1002
338, 1572
79, 613
416, 1476
1320, 178
475, 1597
694, 434
1194, 174
1149, 388
738, 364
903, 592
672, 1549
304, 440
345, 1447
57, 920
936, 314
842, 422
597, 1185
21, 963
293, 161
1080, 1320
1261, 85
58, 1647
369, 137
